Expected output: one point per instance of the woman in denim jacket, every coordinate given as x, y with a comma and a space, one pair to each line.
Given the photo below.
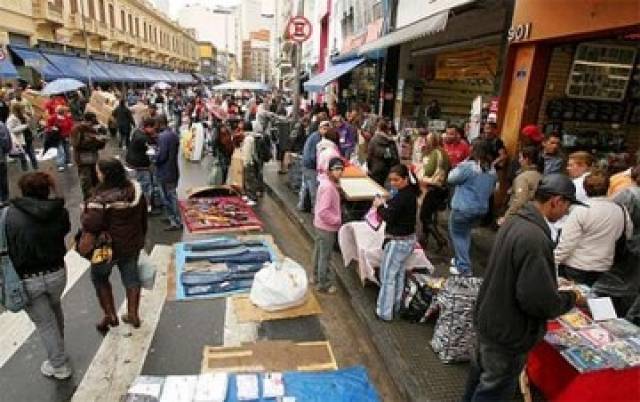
474, 181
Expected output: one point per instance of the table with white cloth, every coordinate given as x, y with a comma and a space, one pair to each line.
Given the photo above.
358, 241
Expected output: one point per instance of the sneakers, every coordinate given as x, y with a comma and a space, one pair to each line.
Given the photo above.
60, 373
453, 270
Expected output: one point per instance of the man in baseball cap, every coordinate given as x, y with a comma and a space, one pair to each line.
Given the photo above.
519, 293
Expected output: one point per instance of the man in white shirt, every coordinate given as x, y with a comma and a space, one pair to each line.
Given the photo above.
588, 239
578, 167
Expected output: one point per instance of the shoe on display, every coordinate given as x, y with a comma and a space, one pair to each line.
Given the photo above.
60, 373
69, 164
61, 168
453, 261
332, 290
454, 270
251, 203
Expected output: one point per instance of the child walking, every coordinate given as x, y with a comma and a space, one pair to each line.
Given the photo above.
399, 215
327, 220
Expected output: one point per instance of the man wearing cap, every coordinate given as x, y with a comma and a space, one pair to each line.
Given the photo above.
519, 293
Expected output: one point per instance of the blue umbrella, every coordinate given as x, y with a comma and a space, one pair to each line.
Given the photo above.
61, 86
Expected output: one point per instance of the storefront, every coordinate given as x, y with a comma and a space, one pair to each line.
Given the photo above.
574, 69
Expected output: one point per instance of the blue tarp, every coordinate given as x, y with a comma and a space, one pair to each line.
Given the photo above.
332, 73
347, 385
7, 69
35, 59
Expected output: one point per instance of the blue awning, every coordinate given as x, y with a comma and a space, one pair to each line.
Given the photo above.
78, 68
117, 72
332, 73
33, 58
7, 69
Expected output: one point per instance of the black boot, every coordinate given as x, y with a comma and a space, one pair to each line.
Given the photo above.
133, 302
110, 319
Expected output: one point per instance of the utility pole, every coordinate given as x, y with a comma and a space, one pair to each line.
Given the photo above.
86, 44
296, 71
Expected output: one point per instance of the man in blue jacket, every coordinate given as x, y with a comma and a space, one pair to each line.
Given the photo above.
309, 175
167, 171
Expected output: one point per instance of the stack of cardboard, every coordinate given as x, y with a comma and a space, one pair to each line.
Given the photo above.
102, 104
37, 102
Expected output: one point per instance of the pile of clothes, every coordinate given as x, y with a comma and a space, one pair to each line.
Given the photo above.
222, 265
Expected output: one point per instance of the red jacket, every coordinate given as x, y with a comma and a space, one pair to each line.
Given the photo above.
63, 122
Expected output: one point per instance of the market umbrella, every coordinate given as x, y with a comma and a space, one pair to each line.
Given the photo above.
62, 85
161, 85
242, 86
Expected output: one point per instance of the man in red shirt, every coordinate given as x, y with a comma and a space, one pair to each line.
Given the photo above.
455, 146
60, 124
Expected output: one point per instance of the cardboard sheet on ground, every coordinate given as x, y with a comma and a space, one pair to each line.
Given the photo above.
175, 290
269, 356
361, 189
248, 312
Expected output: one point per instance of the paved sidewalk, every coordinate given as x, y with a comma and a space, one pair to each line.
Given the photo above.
404, 346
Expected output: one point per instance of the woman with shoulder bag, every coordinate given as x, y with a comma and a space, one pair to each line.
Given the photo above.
36, 226
435, 167
18, 126
117, 211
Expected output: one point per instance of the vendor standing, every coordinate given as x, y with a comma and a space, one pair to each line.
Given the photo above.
399, 215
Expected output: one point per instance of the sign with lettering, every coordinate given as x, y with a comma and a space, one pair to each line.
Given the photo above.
299, 29
519, 32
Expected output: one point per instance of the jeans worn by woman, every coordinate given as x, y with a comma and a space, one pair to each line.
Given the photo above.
45, 311
30, 153
392, 273
128, 267
460, 225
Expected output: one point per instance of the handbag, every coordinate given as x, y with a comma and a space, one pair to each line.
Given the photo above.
13, 295
97, 248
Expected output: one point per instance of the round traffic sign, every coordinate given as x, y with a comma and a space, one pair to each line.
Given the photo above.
299, 29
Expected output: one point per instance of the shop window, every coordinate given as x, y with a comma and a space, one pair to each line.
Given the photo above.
601, 72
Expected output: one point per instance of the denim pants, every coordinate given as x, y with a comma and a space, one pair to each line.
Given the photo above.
63, 157
128, 267
143, 176
309, 186
392, 273
460, 225
494, 374
45, 311
322, 250
30, 153
170, 199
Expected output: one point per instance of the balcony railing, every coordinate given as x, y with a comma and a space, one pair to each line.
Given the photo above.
48, 12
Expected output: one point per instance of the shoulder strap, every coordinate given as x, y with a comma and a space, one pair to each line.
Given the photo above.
3, 230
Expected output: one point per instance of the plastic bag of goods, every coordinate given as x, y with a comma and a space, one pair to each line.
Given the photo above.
279, 286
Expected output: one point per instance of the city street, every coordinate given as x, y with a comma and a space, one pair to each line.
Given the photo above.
184, 327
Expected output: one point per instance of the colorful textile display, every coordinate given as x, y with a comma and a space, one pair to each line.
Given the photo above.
219, 214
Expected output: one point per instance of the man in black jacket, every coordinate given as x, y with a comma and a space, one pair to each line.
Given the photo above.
138, 159
519, 293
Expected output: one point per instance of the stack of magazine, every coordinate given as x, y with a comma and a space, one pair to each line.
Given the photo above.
591, 346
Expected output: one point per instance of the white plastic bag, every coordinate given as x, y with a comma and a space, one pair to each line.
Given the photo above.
279, 286
146, 271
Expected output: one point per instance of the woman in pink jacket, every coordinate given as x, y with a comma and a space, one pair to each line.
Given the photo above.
327, 220
326, 150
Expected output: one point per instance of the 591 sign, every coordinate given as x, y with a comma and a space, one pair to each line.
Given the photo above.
519, 32
299, 29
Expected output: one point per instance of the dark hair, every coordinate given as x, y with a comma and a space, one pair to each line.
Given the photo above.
161, 120
492, 124
382, 126
115, 176
149, 122
404, 172
635, 174
90, 117
36, 185
480, 152
553, 134
531, 153
333, 136
542, 197
596, 183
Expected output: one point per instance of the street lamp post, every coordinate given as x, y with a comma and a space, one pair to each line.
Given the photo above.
298, 62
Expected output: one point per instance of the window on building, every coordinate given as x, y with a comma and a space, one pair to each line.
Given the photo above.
112, 16
101, 11
91, 8
131, 24
123, 21
137, 27
73, 6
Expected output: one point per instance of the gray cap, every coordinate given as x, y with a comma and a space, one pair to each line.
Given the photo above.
559, 184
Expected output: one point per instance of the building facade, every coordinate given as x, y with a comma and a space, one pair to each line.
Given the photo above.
256, 64
123, 30
207, 56
226, 66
